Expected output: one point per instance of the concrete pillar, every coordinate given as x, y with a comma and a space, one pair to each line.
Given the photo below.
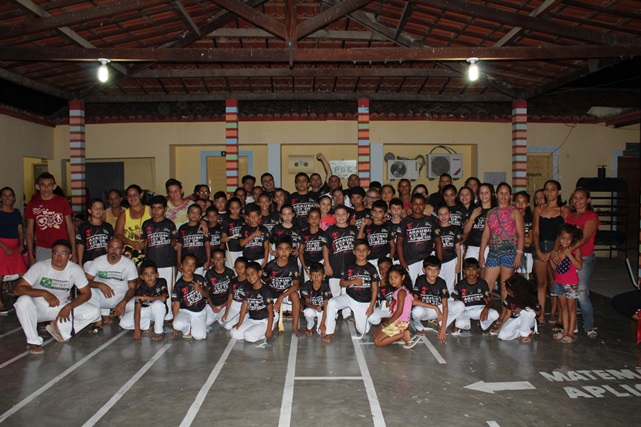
231, 142
77, 155
364, 159
519, 145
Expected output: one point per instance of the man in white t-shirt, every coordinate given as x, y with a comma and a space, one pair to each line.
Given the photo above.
44, 295
113, 280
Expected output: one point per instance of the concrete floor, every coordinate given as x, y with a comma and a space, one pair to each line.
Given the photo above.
111, 380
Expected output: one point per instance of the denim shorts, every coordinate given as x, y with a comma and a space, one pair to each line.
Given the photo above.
568, 291
504, 260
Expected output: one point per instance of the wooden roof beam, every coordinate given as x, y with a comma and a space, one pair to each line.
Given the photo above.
255, 17
34, 85
297, 72
186, 17
333, 14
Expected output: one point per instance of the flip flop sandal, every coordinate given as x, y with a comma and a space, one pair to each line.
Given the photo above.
415, 340
55, 334
94, 330
567, 340
558, 336
35, 349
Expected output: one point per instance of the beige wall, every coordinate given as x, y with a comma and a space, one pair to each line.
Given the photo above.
20, 138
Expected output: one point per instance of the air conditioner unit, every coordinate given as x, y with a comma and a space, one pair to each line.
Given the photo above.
402, 169
438, 164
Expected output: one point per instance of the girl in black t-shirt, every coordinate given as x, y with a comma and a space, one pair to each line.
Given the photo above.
522, 307
232, 223
473, 230
257, 318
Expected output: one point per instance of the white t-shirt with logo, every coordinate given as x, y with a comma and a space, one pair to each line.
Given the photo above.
43, 276
116, 276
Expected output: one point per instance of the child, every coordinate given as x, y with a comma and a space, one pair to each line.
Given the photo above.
253, 237
417, 238
268, 218
356, 197
193, 241
451, 236
311, 247
215, 229
218, 283
385, 294
338, 246
475, 294
189, 299
316, 293
397, 326
522, 203
457, 214
327, 219
159, 235
379, 233
235, 299
301, 200
257, 318
361, 281
282, 277
220, 203
566, 279
93, 235
280, 199
522, 307
232, 223
147, 304
431, 299
286, 227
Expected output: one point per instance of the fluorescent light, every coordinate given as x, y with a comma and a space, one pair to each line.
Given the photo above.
103, 71
473, 70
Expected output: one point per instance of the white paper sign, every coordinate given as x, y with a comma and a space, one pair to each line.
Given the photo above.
343, 168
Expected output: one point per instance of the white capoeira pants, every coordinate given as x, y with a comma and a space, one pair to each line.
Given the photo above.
337, 290
312, 315
31, 310
381, 312
516, 327
474, 313
106, 304
169, 274
473, 252
234, 314
253, 330
345, 301
193, 322
454, 310
212, 316
448, 273
415, 270
156, 312
231, 257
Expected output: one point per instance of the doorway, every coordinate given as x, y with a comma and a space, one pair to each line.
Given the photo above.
539, 170
216, 171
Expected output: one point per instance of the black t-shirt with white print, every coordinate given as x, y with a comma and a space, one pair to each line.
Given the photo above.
359, 215
313, 246
237, 288
157, 237
193, 242
379, 237
316, 296
215, 234
450, 237
386, 293
94, 239
219, 285
430, 293
158, 289
474, 238
185, 293
279, 279
280, 230
457, 215
368, 275
340, 243
472, 295
419, 235
302, 204
231, 227
255, 249
258, 301
269, 221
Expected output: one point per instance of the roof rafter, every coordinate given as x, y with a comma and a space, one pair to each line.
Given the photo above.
297, 72
32, 84
328, 16
255, 17
186, 17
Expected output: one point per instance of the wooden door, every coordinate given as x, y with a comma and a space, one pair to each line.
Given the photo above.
217, 172
539, 170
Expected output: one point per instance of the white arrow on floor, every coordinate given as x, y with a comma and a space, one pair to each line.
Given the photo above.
492, 387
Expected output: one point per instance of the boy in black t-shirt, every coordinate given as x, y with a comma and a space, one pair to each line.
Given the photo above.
218, 282
257, 318
235, 298
379, 234
338, 248
282, 277
189, 299
147, 304
301, 200
193, 241
475, 294
311, 246
215, 229
361, 281
431, 299
253, 237
451, 237
316, 293
93, 236
356, 197
159, 235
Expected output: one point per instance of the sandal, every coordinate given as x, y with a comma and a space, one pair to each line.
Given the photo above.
526, 340
301, 335
415, 340
35, 349
157, 337
328, 338
94, 330
567, 340
558, 335
54, 333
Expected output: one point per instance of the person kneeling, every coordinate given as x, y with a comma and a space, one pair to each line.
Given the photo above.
257, 318
396, 327
189, 299
475, 294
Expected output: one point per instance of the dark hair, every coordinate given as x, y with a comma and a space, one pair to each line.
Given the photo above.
192, 256
301, 174
359, 242
387, 185
316, 267
45, 175
247, 178
417, 196
222, 251
265, 195
380, 204
325, 196
572, 230
266, 174
314, 209
403, 180
423, 186
240, 189
337, 189
341, 207
220, 194
212, 209
395, 202
314, 174
523, 193
61, 242
233, 200
493, 201
195, 205
357, 191
115, 190
471, 262
134, 187
557, 184
240, 259
253, 207
173, 181
159, 200
504, 184
458, 195
523, 291
197, 187
284, 239
148, 263
92, 201
449, 187
432, 261
445, 174
10, 189
253, 265
475, 179
384, 259
288, 206
375, 185
407, 282
587, 195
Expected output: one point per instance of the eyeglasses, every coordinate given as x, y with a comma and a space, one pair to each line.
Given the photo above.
60, 253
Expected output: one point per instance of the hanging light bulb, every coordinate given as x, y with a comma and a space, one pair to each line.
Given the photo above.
473, 70
103, 71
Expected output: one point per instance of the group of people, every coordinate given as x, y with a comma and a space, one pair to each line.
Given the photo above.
388, 257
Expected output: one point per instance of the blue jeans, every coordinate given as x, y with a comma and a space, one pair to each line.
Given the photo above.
585, 277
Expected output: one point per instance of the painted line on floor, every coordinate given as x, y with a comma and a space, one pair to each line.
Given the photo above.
53, 382
433, 350
125, 388
21, 355
13, 331
374, 404
288, 390
493, 424
202, 394
400, 342
327, 378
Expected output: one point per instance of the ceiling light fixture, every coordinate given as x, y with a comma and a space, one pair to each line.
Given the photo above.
103, 71
473, 70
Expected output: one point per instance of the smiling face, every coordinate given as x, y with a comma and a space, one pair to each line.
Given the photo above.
580, 201
253, 276
444, 215
341, 215
449, 196
503, 195
46, 186
133, 197
485, 195
175, 193
404, 187
8, 198
465, 196
114, 200
361, 252
268, 182
219, 260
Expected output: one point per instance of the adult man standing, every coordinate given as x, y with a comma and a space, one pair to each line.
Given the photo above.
44, 293
267, 181
113, 281
48, 220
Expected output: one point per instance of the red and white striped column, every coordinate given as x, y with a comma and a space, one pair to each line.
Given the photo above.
364, 159
519, 145
77, 155
231, 142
